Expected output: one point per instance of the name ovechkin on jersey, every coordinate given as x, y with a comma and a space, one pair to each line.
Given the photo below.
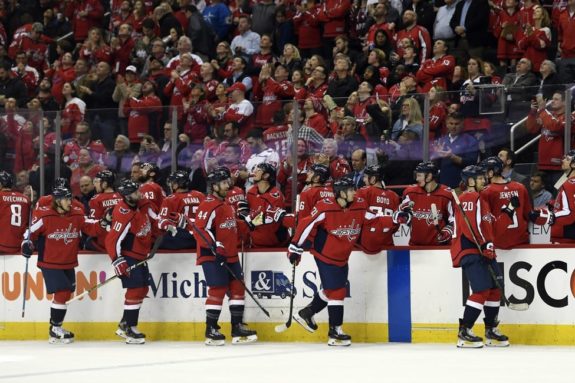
13, 198
68, 235
228, 224
349, 232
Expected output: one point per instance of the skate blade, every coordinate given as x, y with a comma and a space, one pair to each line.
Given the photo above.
467, 344
214, 342
244, 339
337, 342
496, 343
53, 340
303, 323
135, 340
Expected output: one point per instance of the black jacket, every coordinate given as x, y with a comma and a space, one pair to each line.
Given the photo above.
475, 22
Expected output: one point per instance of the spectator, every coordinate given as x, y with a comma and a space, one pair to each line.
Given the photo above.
410, 117
358, 164
273, 91
417, 34
437, 113
338, 166
47, 100
143, 112
260, 153
166, 20
549, 83
291, 58
11, 87
240, 110
224, 61
87, 191
520, 87
218, 16
506, 31
120, 159
239, 74
470, 95
441, 27
566, 39
127, 86
348, 138
263, 17
424, 12
247, 42
315, 120
307, 28
340, 87
196, 114
86, 167
29, 75
283, 33
121, 47
438, 70
541, 197
535, 40
184, 47
94, 49
149, 150
333, 15
73, 112
469, 22
63, 71
85, 14
83, 139
144, 47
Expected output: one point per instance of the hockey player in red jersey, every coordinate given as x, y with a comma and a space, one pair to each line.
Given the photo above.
46, 200
315, 191
101, 206
428, 228
511, 205
181, 201
380, 201
562, 219
333, 228
216, 234
265, 200
14, 215
149, 189
128, 242
465, 254
57, 230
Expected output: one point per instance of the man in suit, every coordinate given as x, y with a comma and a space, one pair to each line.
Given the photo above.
469, 22
358, 163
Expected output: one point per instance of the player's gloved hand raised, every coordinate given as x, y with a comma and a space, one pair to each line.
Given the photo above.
444, 235
294, 254
402, 217
27, 248
121, 267
488, 250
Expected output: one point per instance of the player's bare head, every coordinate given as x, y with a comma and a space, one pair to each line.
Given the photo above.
344, 191
130, 191
568, 161
219, 181
472, 177
104, 180
6, 180
425, 173
149, 172
373, 174
265, 172
317, 174
61, 199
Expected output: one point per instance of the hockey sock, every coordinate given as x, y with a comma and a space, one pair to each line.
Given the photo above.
491, 307
212, 317
470, 315
237, 313
318, 303
335, 311
131, 316
57, 315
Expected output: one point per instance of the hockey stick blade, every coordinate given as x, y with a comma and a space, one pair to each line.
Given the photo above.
518, 306
282, 327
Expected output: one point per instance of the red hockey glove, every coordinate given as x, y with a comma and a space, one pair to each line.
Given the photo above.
542, 217
402, 217
294, 254
121, 267
220, 256
444, 236
488, 250
27, 248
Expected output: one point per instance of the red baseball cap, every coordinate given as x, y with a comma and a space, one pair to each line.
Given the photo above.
236, 86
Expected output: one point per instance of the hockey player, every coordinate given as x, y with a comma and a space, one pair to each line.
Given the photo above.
428, 228
563, 220
128, 242
101, 206
510, 198
46, 200
216, 234
14, 215
315, 191
181, 201
380, 201
149, 189
465, 254
336, 226
267, 201
58, 229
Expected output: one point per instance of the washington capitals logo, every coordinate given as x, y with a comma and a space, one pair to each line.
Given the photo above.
350, 231
68, 235
145, 230
427, 216
229, 224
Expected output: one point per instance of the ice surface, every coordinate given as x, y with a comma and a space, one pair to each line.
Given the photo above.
167, 362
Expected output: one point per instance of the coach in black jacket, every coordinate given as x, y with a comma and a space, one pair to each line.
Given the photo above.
471, 29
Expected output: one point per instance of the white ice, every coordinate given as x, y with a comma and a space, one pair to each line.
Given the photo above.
167, 362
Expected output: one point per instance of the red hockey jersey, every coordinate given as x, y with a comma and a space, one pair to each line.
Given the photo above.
185, 203
377, 234
477, 211
270, 233
563, 231
310, 196
423, 230
99, 204
131, 232
14, 216
154, 193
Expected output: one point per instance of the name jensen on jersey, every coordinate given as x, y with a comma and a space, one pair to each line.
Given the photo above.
508, 194
68, 235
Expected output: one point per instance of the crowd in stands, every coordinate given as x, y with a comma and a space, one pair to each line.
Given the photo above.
231, 79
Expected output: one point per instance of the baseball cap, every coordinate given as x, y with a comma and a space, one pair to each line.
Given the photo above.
131, 68
237, 86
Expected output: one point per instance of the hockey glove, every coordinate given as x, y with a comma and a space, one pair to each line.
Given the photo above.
488, 250
509, 209
294, 254
106, 220
121, 267
542, 217
27, 248
243, 207
277, 215
406, 205
180, 220
444, 235
220, 257
402, 217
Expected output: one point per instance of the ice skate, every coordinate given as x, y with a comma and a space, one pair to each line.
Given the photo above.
241, 333
336, 337
130, 333
60, 335
305, 318
494, 338
467, 339
214, 337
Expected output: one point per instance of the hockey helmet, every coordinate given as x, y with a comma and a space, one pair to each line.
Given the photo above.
471, 171
6, 179
127, 187
492, 163
342, 184
224, 169
218, 175
571, 154
376, 171
268, 169
61, 183
321, 171
61, 193
106, 176
427, 167
181, 178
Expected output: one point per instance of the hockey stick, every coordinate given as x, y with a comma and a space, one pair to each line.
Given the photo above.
196, 230
283, 327
155, 248
512, 306
25, 287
